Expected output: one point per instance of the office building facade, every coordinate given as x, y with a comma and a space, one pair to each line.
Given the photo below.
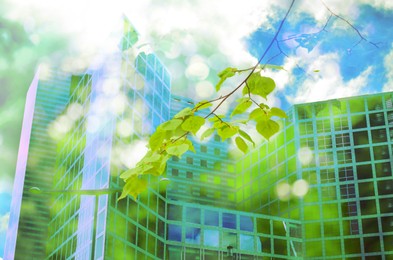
342, 148
80, 132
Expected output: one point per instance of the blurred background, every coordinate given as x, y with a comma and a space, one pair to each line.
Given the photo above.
323, 57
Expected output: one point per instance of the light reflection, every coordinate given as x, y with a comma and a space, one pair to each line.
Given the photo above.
300, 188
197, 69
124, 128
204, 89
305, 155
283, 191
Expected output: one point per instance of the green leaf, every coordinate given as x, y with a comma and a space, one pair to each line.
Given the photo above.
177, 149
216, 118
267, 128
274, 111
171, 124
241, 144
190, 145
207, 133
127, 174
316, 71
193, 124
259, 85
227, 73
227, 132
241, 107
159, 166
246, 136
134, 186
203, 105
185, 112
258, 115
241, 121
152, 158
156, 140
272, 66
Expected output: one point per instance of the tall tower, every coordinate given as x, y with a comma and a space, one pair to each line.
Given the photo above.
29, 215
343, 149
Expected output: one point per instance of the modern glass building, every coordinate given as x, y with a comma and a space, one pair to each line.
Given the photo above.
81, 131
343, 149
29, 216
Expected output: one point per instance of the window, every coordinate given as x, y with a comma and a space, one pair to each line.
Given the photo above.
341, 123
175, 172
203, 163
344, 156
211, 237
217, 138
307, 142
229, 220
327, 175
246, 242
203, 148
324, 142
306, 128
345, 173
342, 140
189, 175
376, 119
174, 232
347, 191
246, 223
325, 158
304, 112
190, 160
379, 135
323, 126
328, 192
193, 215
211, 218
217, 151
351, 209
354, 227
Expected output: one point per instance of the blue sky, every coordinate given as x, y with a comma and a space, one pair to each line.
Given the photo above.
345, 66
196, 39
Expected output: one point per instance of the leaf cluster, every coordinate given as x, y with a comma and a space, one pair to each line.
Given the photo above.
171, 137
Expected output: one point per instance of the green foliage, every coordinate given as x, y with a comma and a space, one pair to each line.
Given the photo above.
241, 144
244, 104
246, 136
171, 137
227, 73
207, 133
267, 128
259, 85
274, 111
193, 124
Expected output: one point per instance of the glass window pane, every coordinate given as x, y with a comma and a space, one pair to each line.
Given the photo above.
246, 242
193, 235
211, 237
174, 232
229, 220
246, 223
193, 215
211, 218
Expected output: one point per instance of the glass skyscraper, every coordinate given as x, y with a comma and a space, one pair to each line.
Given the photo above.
81, 132
343, 149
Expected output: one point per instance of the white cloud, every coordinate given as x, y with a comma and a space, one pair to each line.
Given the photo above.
212, 30
219, 25
328, 83
388, 63
6, 184
4, 221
